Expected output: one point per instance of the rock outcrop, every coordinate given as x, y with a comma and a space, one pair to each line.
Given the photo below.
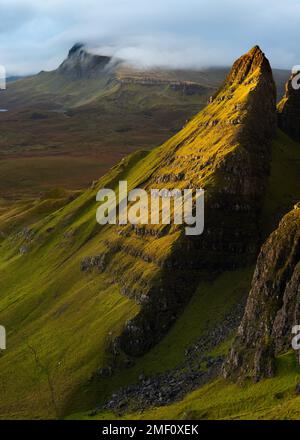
226, 150
289, 108
273, 306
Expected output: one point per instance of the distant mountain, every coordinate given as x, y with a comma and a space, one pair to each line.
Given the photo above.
14, 78
85, 78
88, 114
82, 64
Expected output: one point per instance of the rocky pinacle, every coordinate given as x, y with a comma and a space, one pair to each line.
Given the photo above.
273, 306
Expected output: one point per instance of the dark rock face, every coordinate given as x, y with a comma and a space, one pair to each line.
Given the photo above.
75, 48
82, 64
273, 306
289, 108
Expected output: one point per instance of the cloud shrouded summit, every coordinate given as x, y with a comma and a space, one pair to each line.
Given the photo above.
36, 35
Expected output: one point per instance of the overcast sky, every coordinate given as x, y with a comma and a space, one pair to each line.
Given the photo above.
36, 34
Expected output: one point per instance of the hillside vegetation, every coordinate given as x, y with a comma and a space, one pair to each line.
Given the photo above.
77, 298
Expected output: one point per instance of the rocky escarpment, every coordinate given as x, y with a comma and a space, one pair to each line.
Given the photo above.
185, 87
225, 149
273, 306
289, 108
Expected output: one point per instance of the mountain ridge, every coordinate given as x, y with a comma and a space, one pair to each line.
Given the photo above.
104, 304
216, 167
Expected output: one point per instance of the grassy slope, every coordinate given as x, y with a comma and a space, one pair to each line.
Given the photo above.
46, 302
60, 321
211, 302
283, 189
53, 88
57, 320
221, 400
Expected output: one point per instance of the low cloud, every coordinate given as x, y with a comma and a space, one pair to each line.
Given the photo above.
36, 35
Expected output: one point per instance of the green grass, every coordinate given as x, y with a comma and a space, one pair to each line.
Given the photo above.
65, 317
209, 305
283, 189
50, 308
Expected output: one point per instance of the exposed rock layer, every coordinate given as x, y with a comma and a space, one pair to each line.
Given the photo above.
273, 306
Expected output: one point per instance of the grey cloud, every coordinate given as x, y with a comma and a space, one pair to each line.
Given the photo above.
36, 34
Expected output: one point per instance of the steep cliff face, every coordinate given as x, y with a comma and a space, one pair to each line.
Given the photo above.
273, 306
289, 108
82, 64
225, 149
